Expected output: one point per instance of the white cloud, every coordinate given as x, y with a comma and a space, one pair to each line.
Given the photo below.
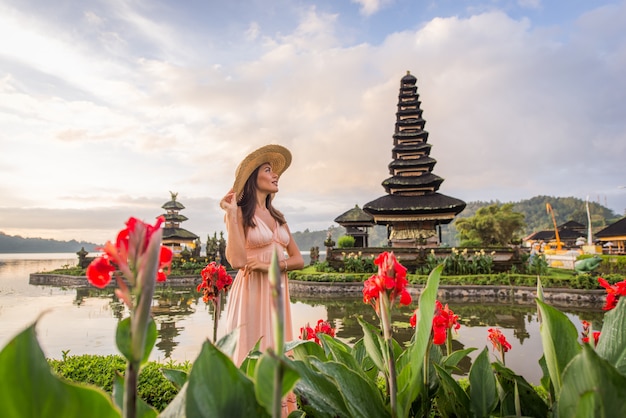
513, 111
370, 7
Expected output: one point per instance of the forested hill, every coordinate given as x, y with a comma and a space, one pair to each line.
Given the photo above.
565, 209
16, 244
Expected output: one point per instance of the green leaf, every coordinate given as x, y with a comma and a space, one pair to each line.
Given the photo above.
373, 344
217, 388
612, 343
228, 342
451, 361
409, 384
123, 339
451, 398
341, 353
560, 342
30, 389
151, 337
264, 376
249, 363
143, 409
305, 349
177, 377
593, 385
363, 359
482, 390
545, 378
539, 289
361, 397
319, 393
531, 403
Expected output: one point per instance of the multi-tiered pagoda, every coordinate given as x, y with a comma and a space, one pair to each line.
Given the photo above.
174, 236
413, 210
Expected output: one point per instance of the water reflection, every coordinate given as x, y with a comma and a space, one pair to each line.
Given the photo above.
518, 322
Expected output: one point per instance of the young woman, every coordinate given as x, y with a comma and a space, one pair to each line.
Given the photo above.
255, 229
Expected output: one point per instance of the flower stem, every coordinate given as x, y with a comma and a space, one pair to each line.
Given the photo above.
130, 389
279, 333
385, 319
216, 313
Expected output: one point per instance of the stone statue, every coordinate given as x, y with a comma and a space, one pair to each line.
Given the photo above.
587, 265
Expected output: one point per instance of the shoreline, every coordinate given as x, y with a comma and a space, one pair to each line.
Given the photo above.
558, 297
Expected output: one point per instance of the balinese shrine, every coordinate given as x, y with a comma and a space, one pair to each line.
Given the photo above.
413, 210
175, 237
357, 223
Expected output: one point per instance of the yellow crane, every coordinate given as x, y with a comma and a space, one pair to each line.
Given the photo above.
559, 244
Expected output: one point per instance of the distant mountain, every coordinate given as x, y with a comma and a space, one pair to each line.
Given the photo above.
16, 244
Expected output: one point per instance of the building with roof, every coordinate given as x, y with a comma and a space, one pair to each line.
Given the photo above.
614, 237
175, 237
570, 234
357, 223
413, 210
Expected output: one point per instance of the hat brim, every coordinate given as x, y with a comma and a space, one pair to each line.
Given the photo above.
277, 156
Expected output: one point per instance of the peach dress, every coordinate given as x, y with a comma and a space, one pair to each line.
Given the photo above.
250, 297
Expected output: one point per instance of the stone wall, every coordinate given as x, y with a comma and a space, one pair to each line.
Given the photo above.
522, 295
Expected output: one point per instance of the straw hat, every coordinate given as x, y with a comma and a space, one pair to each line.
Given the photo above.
277, 156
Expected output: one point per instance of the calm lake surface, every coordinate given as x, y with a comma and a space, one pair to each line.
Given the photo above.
83, 320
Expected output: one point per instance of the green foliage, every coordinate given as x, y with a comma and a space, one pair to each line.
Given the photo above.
99, 371
346, 241
538, 265
336, 379
356, 263
493, 225
460, 262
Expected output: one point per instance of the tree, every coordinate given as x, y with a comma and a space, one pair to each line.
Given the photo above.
492, 225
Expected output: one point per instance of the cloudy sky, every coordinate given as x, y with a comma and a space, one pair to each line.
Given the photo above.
108, 105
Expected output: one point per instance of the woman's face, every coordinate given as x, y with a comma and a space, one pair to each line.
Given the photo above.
266, 179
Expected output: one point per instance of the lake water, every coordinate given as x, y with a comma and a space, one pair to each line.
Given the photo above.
83, 320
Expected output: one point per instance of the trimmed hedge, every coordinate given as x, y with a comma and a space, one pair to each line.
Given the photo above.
153, 386
556, 279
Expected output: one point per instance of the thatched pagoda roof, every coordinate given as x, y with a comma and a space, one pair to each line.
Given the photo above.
178, 234
429, 206
355, 217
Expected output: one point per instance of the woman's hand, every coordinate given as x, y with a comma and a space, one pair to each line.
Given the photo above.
254, 264
229, 202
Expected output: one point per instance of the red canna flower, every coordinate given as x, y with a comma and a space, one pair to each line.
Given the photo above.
596, 337
498, 340
443, 321
391, 278
613, 292
322, 327
215, 279
127, 254
99, 272
585, 332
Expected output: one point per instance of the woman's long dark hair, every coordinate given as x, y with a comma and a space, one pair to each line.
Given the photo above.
248, 203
